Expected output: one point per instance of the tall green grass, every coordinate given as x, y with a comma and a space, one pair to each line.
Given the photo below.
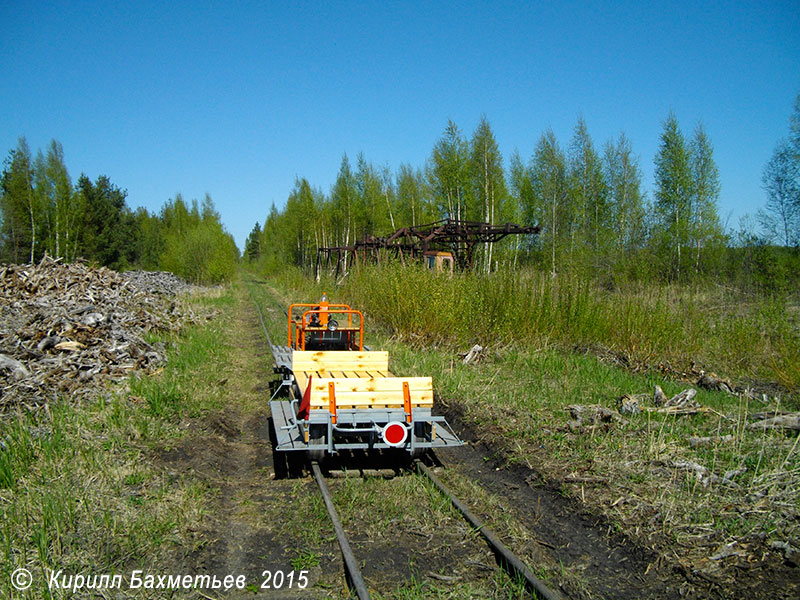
517, 399
648, 326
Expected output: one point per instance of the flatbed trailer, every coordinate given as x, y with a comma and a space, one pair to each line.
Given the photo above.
348, 399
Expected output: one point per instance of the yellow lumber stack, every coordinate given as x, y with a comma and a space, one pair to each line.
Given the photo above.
361, 380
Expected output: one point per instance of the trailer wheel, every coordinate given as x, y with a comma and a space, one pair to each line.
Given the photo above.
316, 438
421, 434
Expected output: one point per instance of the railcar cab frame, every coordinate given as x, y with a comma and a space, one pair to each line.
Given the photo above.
313, 326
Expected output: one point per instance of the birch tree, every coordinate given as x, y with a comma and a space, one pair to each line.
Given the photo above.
343, 197
448, 172
587, 210
488, 183
780, 218
705, 228
673, 191
522, 207
19, 211
548, 181
626, 200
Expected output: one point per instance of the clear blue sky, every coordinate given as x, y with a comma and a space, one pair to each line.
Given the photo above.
238, 98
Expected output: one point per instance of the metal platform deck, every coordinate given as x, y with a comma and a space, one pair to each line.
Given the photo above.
282, 355
290, 437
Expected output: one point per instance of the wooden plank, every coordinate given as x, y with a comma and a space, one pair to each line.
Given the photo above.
373, 391
340, 360
372, 399
373, 384
302, 381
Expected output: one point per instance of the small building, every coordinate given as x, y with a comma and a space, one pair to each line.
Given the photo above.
438, 261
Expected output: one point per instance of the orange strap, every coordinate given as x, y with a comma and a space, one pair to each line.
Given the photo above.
407, 401
332, 401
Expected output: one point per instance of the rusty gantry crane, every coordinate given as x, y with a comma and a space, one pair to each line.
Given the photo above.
457, 237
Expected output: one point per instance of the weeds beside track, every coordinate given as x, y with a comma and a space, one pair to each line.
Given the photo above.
515, 401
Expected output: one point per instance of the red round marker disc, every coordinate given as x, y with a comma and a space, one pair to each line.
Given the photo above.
394, 434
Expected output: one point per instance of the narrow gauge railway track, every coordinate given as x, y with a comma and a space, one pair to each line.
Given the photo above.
506, 559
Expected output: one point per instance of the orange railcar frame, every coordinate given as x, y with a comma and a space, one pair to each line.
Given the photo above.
297, 338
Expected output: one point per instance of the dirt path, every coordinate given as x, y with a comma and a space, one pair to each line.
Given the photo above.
230, 453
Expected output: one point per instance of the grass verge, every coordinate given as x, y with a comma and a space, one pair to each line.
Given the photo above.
720, 503
78, 492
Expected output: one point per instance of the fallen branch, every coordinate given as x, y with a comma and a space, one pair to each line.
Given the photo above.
791, 421
474, 355
594, 414
695, 441
680, 404
704, 475
767, 414
683, 400
711, 381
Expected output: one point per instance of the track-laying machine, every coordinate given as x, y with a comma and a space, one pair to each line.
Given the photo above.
342, 396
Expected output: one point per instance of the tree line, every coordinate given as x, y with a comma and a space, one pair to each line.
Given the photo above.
594, 215
41, 211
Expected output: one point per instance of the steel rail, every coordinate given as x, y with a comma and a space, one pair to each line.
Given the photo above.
506, 557
351, 565
350, 562
261, 318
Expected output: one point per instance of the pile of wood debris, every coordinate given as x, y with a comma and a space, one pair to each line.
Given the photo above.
65, 328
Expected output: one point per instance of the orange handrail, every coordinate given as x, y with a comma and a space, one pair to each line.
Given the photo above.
349, 312
314, 305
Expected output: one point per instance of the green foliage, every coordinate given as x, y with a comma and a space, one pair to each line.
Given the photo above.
196, 249
150, 239
252, 247
18, 206
41, 211
60, 205
590, 232
672, 203
107, 234
448, 176
596, 221
488, 185
780, 219
644, 325
549, 184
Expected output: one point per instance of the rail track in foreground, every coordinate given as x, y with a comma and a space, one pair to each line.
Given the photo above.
506, 559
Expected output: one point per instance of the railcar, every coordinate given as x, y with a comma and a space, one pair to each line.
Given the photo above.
340, 395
